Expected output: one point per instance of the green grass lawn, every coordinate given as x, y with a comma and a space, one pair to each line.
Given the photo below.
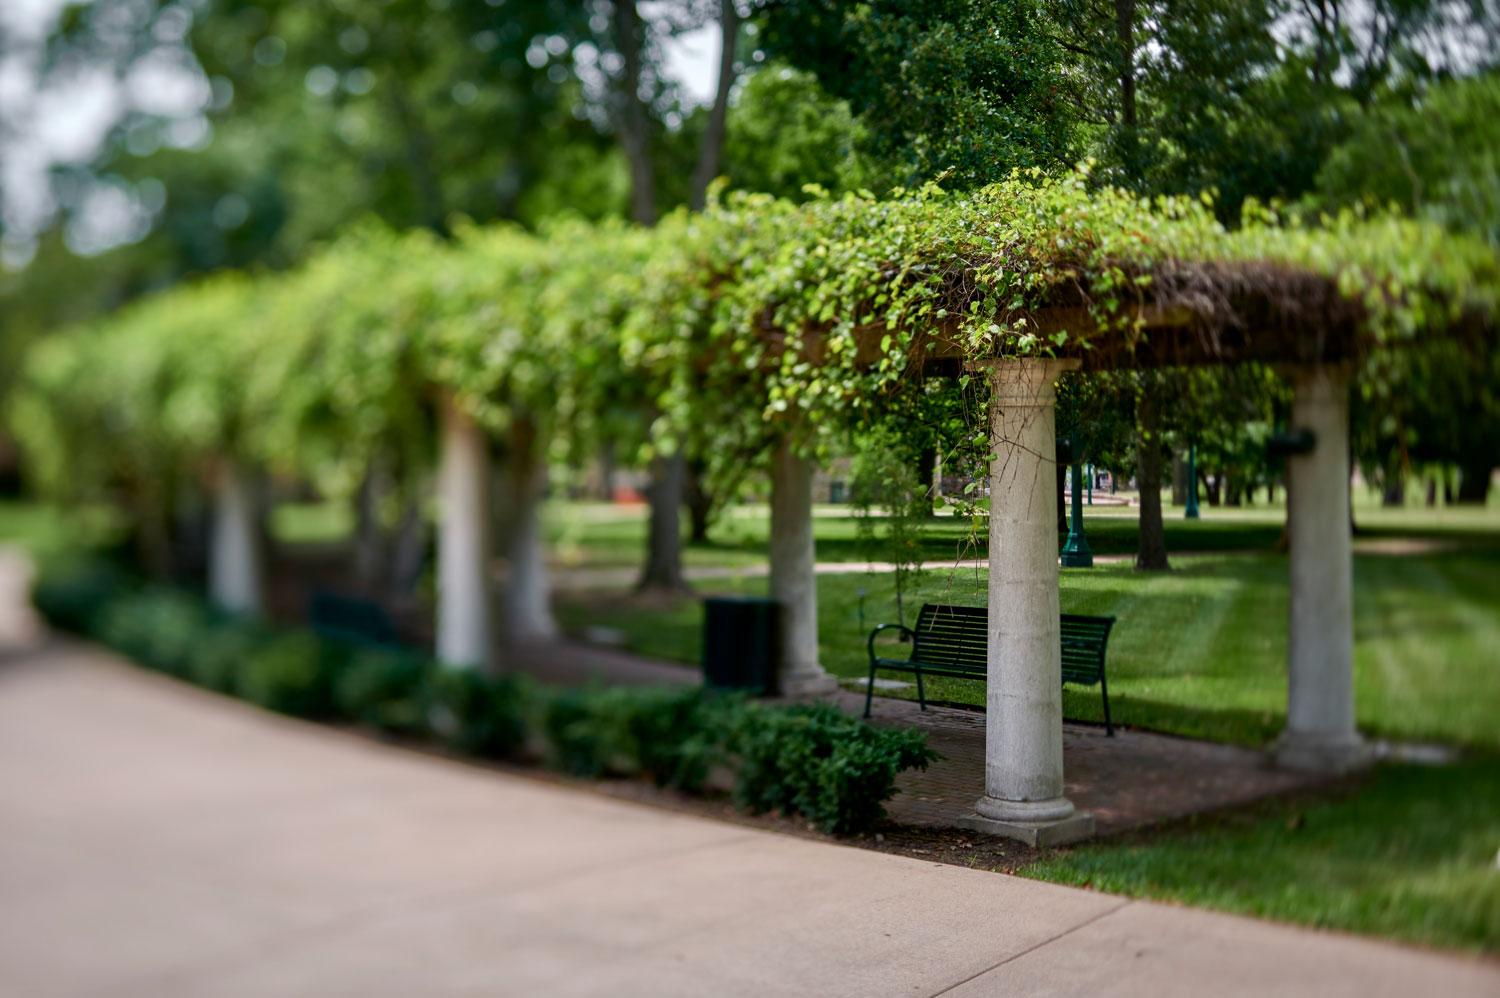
1199, 651
604, 535
597, 535
1410, 854
44, 529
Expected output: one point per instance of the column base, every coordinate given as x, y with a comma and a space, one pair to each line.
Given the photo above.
806, 683
1038, 834
1332, 754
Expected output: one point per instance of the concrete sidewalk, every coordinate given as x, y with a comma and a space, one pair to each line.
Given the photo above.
160, 841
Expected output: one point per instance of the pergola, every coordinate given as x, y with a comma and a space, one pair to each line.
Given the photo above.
1215, 314
1048, 276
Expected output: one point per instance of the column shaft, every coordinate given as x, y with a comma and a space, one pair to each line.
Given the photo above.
463, 591
1320, 731
794, 580
234, 557
1023, 775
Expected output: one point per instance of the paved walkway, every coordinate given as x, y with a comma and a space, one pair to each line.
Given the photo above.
160, 841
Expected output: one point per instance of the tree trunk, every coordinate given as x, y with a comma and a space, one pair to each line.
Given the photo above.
426, 191
410, 546
528, 609
369, 554
1474, 482
1125, 55
1431, 492
607, 471
699, 501
1179, 479
664, 540
1231, 491
712, 149
1151, 552
1394, 493
926, 495
635, 137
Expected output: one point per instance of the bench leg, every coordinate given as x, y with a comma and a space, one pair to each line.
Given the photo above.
1109, 728
869, 689
921, 695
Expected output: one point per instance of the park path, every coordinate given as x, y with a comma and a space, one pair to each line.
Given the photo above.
161, 841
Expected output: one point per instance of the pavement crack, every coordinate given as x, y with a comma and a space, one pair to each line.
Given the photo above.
1032, 949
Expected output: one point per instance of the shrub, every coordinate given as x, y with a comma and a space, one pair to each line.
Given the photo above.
287, 674
159, 628
818, 762
223, 649
580, 741
673, 735
71, 593
382, 687
676, 735
477, 713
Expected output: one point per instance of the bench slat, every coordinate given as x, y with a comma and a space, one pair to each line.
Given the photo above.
953, 641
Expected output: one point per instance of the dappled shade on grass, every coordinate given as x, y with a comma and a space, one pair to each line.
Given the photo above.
1200, 651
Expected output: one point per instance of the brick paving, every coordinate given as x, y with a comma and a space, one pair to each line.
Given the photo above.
1135, 778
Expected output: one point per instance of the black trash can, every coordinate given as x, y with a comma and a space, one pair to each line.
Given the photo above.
740, 646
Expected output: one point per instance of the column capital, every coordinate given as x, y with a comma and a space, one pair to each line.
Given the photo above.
1024, 380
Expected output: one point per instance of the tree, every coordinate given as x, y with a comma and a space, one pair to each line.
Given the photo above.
955, 90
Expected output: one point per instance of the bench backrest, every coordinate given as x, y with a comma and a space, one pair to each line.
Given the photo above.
954, 637
1083, 641
957, 637
352, 619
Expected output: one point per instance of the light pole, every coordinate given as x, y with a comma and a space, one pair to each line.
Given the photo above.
1191, 513
1076, 553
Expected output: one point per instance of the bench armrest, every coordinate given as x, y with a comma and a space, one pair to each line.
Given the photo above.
906, 632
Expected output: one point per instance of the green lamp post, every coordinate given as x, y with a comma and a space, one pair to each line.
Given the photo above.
1191, 513
1076, 553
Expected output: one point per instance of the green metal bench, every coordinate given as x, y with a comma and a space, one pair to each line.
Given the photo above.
352, 620
953, 641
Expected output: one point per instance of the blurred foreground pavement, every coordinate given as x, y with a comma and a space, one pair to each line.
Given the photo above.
157, 840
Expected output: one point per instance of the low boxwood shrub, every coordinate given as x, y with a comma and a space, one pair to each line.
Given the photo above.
288, 673
385, 688
159, 628
224, 647
580, 737
477, 713
72, 592
816, 761
672, 735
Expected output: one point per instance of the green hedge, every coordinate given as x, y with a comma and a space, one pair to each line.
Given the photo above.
813, 761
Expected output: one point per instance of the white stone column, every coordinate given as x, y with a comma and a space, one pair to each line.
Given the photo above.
235, 580
1023, 771
463, 589
1320, 732
794, 579
528, 605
